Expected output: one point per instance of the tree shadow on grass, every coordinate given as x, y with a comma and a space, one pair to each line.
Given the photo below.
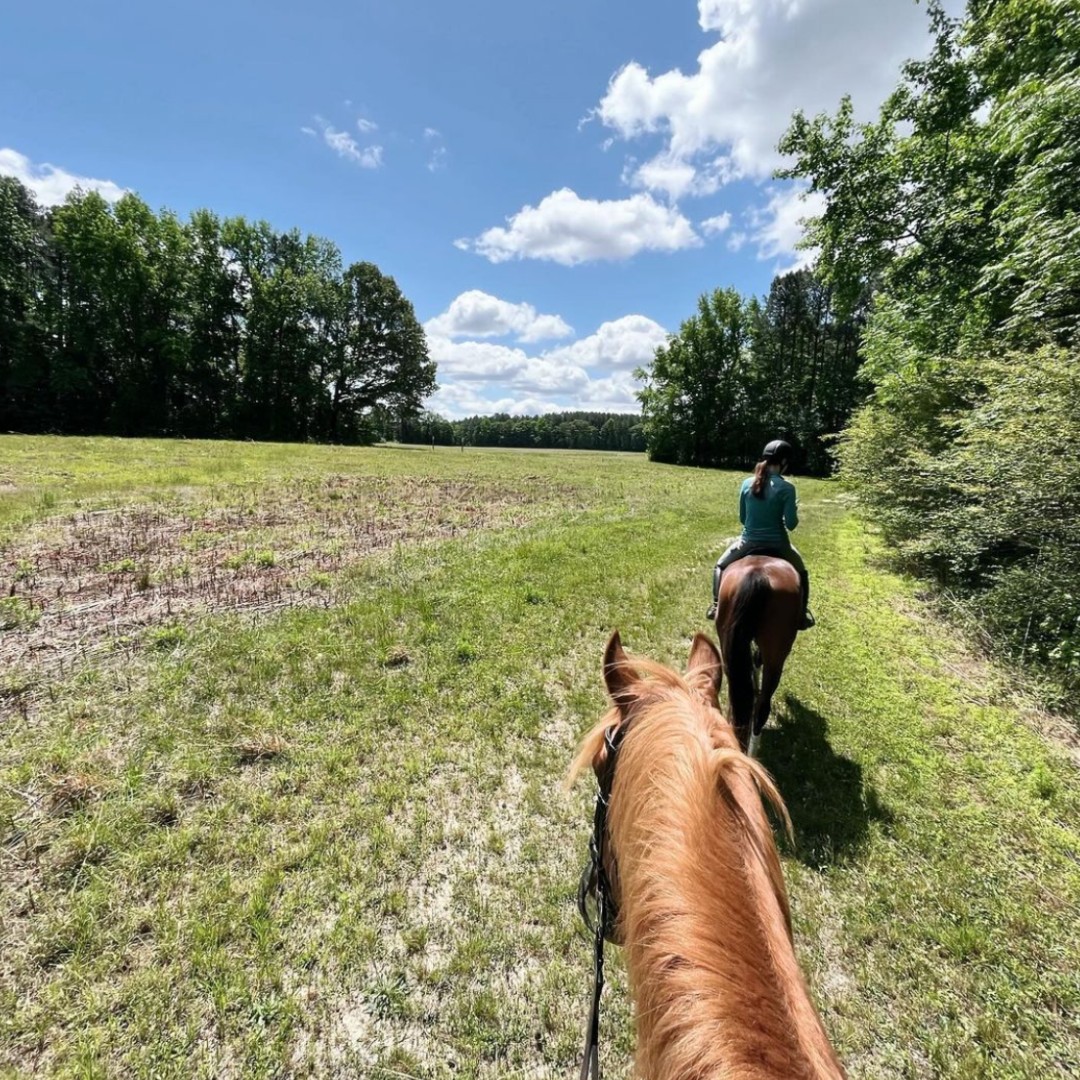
831, 806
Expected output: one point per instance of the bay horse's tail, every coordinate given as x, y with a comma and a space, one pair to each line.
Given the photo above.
737, 636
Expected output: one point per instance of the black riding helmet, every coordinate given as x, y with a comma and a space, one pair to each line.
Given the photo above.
778, 451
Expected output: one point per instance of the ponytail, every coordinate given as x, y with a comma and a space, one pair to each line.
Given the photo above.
761, 475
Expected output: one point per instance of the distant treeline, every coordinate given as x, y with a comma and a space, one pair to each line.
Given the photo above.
564, 431
118, 320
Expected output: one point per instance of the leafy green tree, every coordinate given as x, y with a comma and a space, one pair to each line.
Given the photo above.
803, 376
959, 205
88, 318
741, 373
284, 281
208, 387
25, 278
959, 208
693, 401
381, 358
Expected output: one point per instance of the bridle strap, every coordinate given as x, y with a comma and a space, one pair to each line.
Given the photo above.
595, 879
590, 1063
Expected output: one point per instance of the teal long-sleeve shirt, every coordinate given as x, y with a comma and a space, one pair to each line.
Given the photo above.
767, 520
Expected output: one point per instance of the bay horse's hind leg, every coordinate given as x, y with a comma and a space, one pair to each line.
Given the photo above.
753, 736
770, 680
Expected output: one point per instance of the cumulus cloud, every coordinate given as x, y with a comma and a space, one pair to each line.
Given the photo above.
713, 226
52, 185
677, 178
345, 146
457, 402
567, 229
778, 227
622, 344
479, 315
617, 394
485, 362
774, 56
436, 149
595, 372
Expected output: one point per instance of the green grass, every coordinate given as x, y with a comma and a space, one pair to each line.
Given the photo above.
330, 840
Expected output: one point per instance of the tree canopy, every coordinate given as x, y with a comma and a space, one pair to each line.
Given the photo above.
117, 320
959, 209
741, 372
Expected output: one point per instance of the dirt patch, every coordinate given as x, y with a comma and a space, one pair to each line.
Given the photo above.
73, 584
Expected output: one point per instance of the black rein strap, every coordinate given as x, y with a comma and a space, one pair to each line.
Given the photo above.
594, 881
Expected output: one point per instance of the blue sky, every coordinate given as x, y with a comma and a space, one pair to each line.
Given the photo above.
552, 185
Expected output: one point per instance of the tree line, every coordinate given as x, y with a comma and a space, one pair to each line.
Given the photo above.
552, 431
741, 372
958, 208
119, 320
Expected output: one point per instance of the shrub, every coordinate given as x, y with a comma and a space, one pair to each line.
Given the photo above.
972, 469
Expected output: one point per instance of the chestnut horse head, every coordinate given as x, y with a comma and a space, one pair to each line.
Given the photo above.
693, 868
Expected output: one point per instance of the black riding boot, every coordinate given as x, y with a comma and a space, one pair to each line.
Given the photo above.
717, 571
808, 620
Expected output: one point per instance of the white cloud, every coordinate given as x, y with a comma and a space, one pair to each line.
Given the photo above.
437, 157
52, 185
484, 362
345, 146
778, 227
774, 57
623, 344
479, 315
365, 126
567, 229
676, 178
457, 402
618, 394
713, 226
482, 377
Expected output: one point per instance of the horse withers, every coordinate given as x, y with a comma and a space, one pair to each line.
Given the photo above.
692, 866
757, 620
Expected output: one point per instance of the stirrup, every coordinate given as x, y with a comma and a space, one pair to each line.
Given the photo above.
808, 621
711, 613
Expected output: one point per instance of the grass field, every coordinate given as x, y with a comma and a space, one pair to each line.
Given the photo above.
284, 731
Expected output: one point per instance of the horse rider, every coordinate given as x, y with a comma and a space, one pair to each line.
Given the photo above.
768, 509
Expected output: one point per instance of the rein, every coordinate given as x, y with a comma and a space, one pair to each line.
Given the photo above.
594, 882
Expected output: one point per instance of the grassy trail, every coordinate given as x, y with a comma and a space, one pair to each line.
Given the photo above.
330, 840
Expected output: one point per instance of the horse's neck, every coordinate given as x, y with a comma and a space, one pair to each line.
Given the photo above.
718, 989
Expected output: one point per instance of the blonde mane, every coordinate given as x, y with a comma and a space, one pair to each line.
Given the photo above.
704, 914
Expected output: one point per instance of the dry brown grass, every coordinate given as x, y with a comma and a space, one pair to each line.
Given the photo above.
82, 581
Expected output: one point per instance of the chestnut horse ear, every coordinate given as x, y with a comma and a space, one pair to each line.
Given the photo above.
618, 673
705, 661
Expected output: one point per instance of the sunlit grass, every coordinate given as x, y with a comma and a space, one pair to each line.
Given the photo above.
331, 841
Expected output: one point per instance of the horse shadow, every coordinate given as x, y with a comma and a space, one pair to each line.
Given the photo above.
830, 804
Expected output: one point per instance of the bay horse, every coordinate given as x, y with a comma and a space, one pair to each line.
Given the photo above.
757, 620
694, 875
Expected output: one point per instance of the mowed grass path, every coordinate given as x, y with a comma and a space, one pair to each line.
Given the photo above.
331, 840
